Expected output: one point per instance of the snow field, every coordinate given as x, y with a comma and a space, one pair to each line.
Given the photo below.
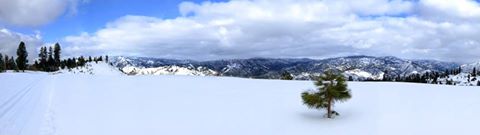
77, 104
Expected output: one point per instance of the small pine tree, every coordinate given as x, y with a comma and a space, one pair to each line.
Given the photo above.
468, 77
22, 55
385, 76
331, 89
474, 73
286, 76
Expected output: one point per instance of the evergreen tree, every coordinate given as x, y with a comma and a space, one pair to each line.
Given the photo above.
81, 61
50, 61
22, 55
12, 64
285, 76
43, 58
74, 62
468, 77
331, 89
56, 54
7, 62
2, 63
63, 64
385, 76
36, 65
106, 59
474, 72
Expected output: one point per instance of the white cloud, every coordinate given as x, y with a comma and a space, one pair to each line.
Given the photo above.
35, 12
450, 10
10, 40
294, 28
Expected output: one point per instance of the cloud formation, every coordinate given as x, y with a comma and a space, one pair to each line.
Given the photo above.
10, 40
35, 12
429, 29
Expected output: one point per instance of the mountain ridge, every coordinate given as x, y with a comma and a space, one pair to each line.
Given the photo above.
300, 68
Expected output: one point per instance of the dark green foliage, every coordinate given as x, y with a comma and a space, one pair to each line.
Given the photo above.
42, 65
7, 66
286, 76
386, 77
22, 55
50, 64
449, 82
81, 61
2, 64
36, 65
478, 83
474, 72
56, 54
350, 78
332, 88
12, 64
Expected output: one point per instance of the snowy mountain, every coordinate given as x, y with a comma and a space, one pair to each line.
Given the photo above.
466, 78
469, 67
361, 67
169, 70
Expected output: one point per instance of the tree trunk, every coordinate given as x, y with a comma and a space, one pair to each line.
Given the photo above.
329, 107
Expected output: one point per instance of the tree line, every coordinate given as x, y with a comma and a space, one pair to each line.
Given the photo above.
432, 77
49, 60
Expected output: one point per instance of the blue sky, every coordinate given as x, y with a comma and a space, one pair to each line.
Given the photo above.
95, 14
200, 30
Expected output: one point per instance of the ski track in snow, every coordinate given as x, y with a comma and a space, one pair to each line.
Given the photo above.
16, 109
48, 127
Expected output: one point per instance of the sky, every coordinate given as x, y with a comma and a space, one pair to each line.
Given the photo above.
447, 30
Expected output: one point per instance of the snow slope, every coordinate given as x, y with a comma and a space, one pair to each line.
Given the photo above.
76, 104
169, 70
92, 68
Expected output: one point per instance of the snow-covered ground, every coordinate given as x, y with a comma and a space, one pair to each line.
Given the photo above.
461, 79
113, 104
92, 68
